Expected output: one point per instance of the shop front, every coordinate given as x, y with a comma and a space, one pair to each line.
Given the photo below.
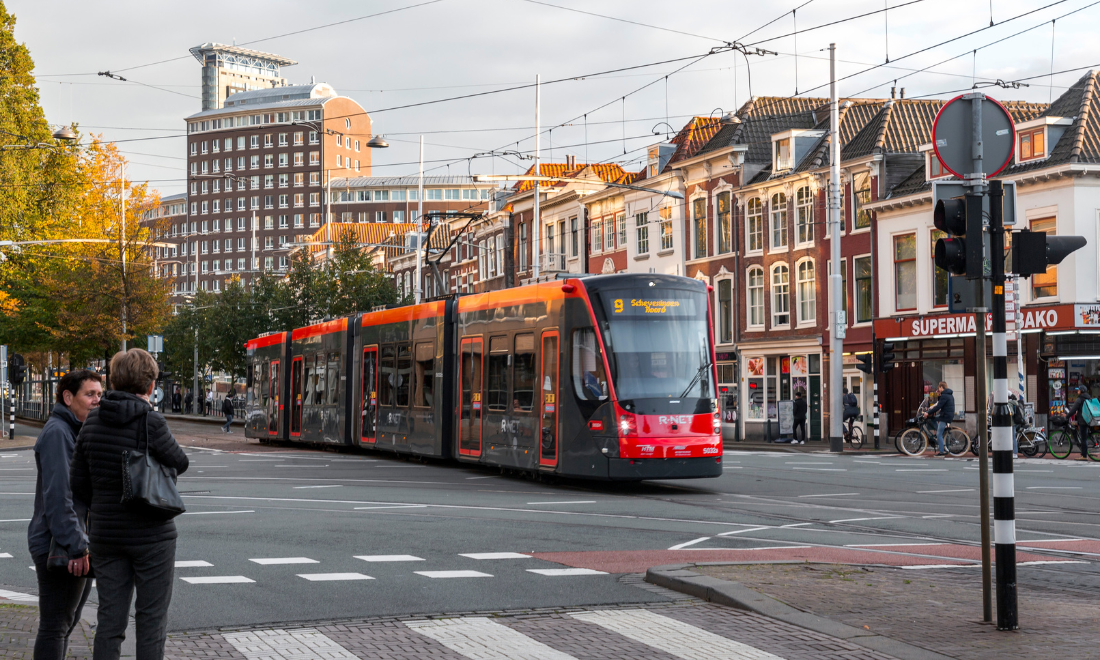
728, 389
770, 377
1068, 357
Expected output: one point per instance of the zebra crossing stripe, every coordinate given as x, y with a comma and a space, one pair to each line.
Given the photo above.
481, 639
276, 644
671, 636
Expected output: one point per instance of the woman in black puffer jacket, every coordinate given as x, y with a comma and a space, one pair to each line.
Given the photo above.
127, 545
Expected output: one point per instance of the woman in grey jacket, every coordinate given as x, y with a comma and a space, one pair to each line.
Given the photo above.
61, 594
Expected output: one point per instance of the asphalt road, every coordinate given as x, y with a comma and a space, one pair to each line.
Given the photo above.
302, 535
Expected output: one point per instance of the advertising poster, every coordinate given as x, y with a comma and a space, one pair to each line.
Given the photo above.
800, 365
756, 366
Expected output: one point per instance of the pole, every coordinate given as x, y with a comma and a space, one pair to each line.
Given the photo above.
537, 224
874, 385
419, 221
327, 219
252, 270
836, 332
1004, 513
974, 205
122, 247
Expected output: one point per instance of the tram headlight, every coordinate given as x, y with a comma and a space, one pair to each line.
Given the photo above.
717, 423
628, 425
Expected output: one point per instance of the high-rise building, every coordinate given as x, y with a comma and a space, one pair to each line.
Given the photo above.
227, 70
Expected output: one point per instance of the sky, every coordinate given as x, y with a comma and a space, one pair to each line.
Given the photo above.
419, 51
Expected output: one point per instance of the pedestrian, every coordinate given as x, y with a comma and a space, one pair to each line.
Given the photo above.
130, 546
851, 409
1078, 420
943, 413
227, 410
58, 518
800, 409
176, 400
188, 402
209, 402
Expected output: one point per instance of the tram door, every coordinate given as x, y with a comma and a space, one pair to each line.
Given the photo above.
296, 397
469, 424
369, 415
548, 385
273, 407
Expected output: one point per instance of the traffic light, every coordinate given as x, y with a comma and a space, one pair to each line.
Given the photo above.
16, 369
959, 217
162, 375
866, 362
1033, 251
886, 357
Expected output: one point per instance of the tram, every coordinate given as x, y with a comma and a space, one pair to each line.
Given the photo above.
607, 377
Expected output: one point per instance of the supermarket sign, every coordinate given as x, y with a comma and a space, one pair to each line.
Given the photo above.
1058, 317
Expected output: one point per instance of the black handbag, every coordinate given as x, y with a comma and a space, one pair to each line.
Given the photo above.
148, 485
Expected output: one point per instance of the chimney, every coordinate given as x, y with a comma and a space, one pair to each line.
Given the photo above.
893, 92
902, 92
570, 161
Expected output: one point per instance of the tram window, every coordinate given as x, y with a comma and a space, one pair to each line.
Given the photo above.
498, 374
425, 375
589, 379
263, 382
523, 373
404, 375
389, 375
307, 393
318, 379
333, 377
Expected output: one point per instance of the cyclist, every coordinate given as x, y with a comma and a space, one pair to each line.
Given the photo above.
1074, 413
851, 410
943, 413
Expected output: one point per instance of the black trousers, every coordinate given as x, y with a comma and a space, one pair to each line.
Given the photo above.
119, 570
61, 598
800, 424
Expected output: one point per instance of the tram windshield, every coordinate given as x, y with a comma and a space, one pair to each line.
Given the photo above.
657, 343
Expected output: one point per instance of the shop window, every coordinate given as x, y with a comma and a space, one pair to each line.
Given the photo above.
754, 225
804, 215
781, 295
523, 373
589, 379
905, 272
864, 291
725, 311
756, 296
940, 277
755, 394
779, 221
1045, 285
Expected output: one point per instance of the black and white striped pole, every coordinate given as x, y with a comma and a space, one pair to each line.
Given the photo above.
1004, 510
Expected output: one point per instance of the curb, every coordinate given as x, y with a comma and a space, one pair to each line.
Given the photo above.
208, 419
733, 594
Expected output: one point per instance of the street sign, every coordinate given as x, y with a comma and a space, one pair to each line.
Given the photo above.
156, 343
158, 396
953, 139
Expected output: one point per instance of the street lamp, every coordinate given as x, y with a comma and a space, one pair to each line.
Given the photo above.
377, 142
728, 118
65, 134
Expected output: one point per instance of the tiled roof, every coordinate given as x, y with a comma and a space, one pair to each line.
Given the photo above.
364, 232
605, 171
914, 183
693, 137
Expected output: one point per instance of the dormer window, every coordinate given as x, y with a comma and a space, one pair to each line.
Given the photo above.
1033, 143
935, 167
783, 160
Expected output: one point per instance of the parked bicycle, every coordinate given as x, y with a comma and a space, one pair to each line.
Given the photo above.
920, 431
1031, 440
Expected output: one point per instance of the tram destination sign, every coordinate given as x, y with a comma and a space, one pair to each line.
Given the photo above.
621, 303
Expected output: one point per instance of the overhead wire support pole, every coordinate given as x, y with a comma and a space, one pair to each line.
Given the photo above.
536, 224
836, 331
419, 224
1004, 513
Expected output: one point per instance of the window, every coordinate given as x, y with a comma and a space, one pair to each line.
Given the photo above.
781, 295
935, 167
783, 160
621, 220
725, 228
574, 246
433, 195
699, 226
314, 178
666, 228
804, 215
269, 160
862, 197
1032, 143
609, 233
282, 160
497, 374
254, 141
313, 137
589, 378
315, 158
779, 221
1045, 285
597, 236
523, 246
905, 272
807, 292
254, 162
725, 311
315, 199
523, 373
940, 277
549, 245
425, 376
297, 138
641, 222
754, 225
756, 296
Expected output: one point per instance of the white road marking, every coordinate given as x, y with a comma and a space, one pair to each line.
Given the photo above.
860, 519
1054, 487
490, 477
809, 462
762, 527
5, 555
920, 469
333, 577
276, 644
567, 502
196, 563
560, 572
950, 490
381, 558
681, 546
831, 495
821, 469
495, 555
218, 579
481, 639
273, 561
392, 506
207, 513
329, 486
18, 596
452, 574
886, 545
16, 520
671, 636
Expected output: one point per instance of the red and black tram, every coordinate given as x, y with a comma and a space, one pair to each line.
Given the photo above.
602, 377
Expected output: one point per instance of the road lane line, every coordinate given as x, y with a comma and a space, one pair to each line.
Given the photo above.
328, 486
274, 561
218, 579
479, 638
1054, 487
671, 636
276, 644
495, 555
567, 502
385, 558
681, 546
196, 563
16, 520
763, 527
5, 555
860, 519
821, 469
920, 470
562, 572
950, 490
207, 513
830, 495
451, 574
334, 577
392, 506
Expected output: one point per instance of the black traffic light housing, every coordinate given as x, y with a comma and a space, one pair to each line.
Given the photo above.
886, 357
958, 218
1033, 251
866, 363
17, 371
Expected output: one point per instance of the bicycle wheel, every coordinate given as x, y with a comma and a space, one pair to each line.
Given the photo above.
1061, 443
956, 441
897, 440
857, 438
1032, 444
1093, 445
912, 442
975, 448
